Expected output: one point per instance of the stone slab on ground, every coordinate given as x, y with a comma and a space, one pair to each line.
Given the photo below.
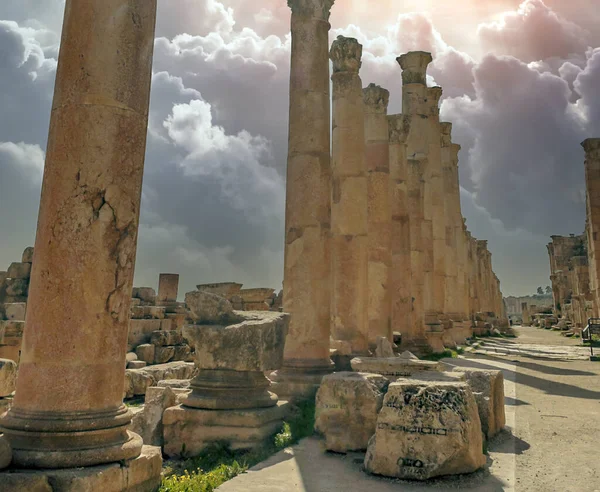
426, 429
347, 405
139, 475
187, 431
150, 425
394, 367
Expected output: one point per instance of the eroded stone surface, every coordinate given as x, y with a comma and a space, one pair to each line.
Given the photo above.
347, 405
8, 376
209, 309
394, 367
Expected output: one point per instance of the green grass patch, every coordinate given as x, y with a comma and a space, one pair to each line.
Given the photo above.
137, 401
446, 354
218, 464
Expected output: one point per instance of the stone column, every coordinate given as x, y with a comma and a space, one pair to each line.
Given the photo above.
349, 199
307, 268
376, 100
592, 183
401, 275
68, 410
168, 287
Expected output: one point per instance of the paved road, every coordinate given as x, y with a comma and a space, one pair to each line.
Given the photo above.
552, 443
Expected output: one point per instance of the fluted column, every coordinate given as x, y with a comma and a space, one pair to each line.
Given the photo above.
401, 275
349, 199
307, 265
68, 410
379, 212
592, 183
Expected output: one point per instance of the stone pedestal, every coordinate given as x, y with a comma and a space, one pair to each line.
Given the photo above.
307, 278
349, 252
68, 409
168, 286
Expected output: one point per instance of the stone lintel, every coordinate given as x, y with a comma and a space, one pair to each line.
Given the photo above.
414, 67
346, 54
376, 98
320, 9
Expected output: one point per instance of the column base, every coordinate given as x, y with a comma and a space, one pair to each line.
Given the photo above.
70, 440
141, 474
298, 381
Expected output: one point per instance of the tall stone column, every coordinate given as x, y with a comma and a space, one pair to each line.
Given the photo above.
68, 410
349, 199
401, 275
307, 267
592, 183
376, 100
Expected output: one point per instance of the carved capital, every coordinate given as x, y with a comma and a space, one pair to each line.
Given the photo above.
399, 128
591, 145
414, 67
346, 54
321, 9
376, 98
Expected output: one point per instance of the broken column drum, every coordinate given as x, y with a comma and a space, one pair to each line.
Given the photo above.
68, 410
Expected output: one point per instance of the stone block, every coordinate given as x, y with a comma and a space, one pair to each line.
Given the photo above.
19, 270
174, 383
16, 287
145, 352
384, 348
142, 474
255, 344
163, 355
170, 324
168, 286
135, 301
145, 294
341, 347
347, 405
164, 338
488, 388
183, 352
27, 255
425, 430
223, 289
158, 399
5, 404
256, 306
130, 356
15, 311
172, 370
393, 367
188, 431
140, 331
137, 381
256, 295
136, 364
209, 309
8, 376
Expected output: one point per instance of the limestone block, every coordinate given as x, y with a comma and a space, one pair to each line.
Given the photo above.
342, 347
209, 308
5, 453
187, 431
130, 356
163, 354
135, 302
255, 344
172, 370
168, 286
393, 367
158, 399
145, 352
16, 287
384, 348
488, 387
426, 429
136, 364
5, 404
137, 381
140, 331
19, 270
183, 352
15, 311
163, 338
145, 294
27, 255
169, 324
8, 376
256, 306
256, 295
347, 405
174, 383
223, 289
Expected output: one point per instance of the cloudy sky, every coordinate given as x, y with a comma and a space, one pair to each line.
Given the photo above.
521, 84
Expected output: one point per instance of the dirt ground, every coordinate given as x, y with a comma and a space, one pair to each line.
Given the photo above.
551, 444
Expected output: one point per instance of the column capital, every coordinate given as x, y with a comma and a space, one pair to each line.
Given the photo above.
399, 127
591, 145
346, 54
376, 98
432, 103
446, 134
414, 67
321, 9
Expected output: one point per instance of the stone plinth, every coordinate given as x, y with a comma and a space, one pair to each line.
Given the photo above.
394, 367
142, 474
168, 286
349, 294
347, 405
307, 262
426, 429
188, 431
81, 280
